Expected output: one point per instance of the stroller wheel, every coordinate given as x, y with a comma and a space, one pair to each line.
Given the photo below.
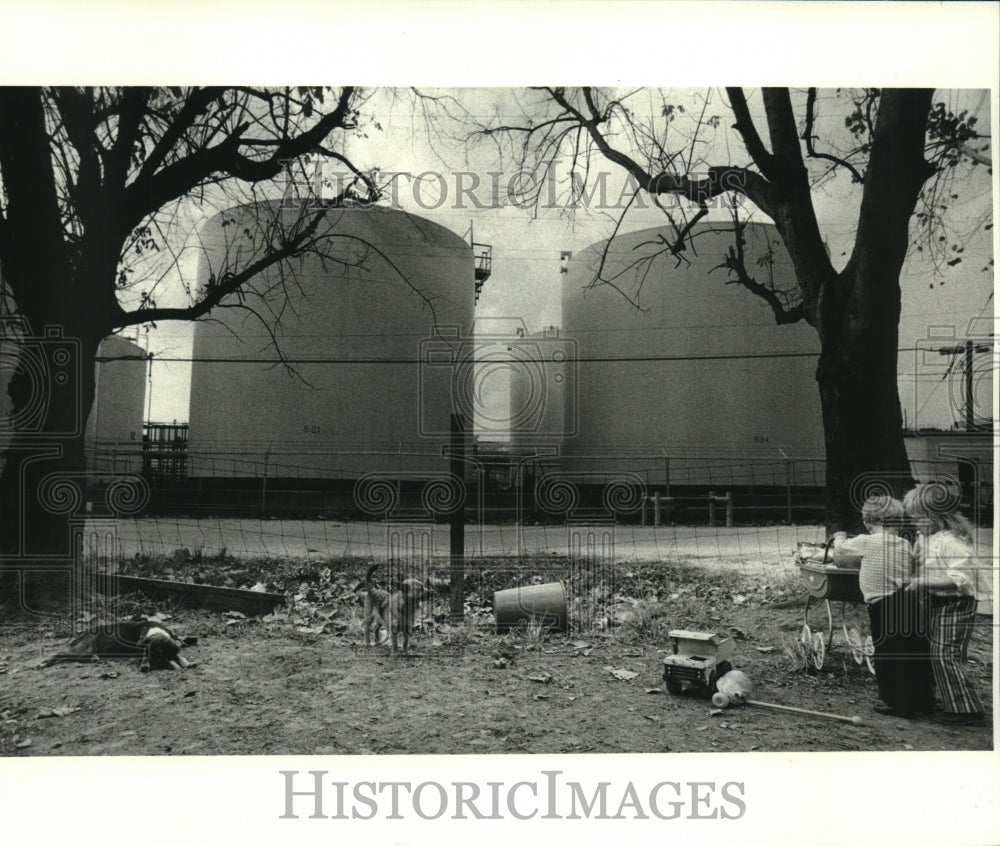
818, 650
857, 646
869, 651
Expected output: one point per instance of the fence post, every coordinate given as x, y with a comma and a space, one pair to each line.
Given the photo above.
711, 509
729, 509
788, 492
656, 508
666, 487
457, 528
263, 485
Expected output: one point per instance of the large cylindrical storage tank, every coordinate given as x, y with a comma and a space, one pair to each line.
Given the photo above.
368, 386
683, 378
114, 427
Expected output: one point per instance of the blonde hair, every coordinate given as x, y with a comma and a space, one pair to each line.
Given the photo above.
935, 506
881, 509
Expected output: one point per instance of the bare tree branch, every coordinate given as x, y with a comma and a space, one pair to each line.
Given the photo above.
760, 155
977, 155
735, 263
153, 190
809, 137
784, 135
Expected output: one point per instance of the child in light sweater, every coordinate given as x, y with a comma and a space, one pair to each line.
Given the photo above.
898, 620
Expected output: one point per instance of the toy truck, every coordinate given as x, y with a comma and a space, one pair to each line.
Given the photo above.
700, 659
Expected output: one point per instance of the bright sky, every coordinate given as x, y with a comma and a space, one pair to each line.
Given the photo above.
526, 247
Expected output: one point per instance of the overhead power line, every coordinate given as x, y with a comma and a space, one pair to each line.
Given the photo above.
475, 345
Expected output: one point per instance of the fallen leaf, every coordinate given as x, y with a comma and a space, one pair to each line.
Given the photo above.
541, 696
764, 648
700, 728
64, 711
23, 744
545, 678
716, 711
113, 674
654, 690
622, 674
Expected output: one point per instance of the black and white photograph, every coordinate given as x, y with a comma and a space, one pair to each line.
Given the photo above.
430, 444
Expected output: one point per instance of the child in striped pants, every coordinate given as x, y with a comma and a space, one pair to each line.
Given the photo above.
948, 576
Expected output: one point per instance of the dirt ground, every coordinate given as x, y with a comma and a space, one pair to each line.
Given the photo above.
301, 682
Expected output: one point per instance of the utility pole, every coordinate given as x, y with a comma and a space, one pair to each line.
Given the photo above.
967, 350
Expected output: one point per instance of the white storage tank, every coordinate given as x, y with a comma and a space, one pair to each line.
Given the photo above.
370, 384
114, 427
711, 390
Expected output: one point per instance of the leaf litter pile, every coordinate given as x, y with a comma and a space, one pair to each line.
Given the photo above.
301, 681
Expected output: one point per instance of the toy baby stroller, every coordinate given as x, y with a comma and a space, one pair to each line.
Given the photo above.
829, 583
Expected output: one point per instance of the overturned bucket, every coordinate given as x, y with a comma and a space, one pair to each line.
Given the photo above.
541, 604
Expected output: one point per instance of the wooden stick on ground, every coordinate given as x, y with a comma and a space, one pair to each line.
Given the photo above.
720, 700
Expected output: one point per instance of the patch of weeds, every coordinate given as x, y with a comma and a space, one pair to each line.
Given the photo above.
461, 636
797, 653
646, 622
531, 634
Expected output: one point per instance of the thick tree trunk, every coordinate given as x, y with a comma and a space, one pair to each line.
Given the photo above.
862, 423
862, 416
858, 320
43, 481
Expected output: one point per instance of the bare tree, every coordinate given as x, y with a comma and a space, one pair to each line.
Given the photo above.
94, 181
910, 156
